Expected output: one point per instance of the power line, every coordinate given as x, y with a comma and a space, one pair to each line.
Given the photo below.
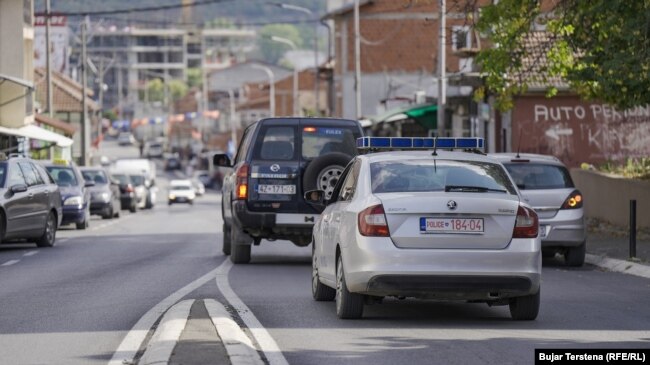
206, 23
143, 9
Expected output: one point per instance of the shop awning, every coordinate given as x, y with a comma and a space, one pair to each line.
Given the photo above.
426, 115
35, 132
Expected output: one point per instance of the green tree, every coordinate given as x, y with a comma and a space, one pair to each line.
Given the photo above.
177, 89
600, 47
155, 90
194, 77
272, 51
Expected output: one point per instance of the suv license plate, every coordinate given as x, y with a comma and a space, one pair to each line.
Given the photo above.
451, 225
277, 189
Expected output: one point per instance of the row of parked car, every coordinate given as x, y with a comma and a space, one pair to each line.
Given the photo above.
38, 197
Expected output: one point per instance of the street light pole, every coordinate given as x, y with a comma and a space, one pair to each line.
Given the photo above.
316, 78
296, 96
48, 58
85, 131
271, 76
442, 92
233, 129
357, 61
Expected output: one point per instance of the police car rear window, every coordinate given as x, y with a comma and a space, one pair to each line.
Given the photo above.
533, 176
278, 143
441, 175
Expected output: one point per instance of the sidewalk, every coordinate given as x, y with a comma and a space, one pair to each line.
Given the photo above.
605, 239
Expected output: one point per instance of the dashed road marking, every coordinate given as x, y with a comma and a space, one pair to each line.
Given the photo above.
10, 262
262, 336
30, 253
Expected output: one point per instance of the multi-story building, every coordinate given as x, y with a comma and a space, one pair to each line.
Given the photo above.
132, 56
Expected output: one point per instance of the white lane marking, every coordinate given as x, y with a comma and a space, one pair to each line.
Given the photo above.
262, 336
160, 348
30, 253
239, 346
10, 262
131, 343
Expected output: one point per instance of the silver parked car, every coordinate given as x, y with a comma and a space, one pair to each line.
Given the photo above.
546, 184
442, 225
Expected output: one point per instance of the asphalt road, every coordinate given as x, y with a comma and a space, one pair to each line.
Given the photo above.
74, 303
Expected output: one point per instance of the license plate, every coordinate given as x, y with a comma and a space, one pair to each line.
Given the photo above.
543, 231
451, 225
277, 189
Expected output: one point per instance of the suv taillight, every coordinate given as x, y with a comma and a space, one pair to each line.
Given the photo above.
574, 201
129, 188
372, 222
241, 192
526, 224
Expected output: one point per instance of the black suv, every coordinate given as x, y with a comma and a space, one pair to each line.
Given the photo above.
278, 159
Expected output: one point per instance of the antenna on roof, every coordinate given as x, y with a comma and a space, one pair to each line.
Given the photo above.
435, 146
519, 144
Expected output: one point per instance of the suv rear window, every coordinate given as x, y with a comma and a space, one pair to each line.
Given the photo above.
281, 143
532, 176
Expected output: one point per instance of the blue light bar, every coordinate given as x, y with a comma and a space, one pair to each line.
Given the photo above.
419, 143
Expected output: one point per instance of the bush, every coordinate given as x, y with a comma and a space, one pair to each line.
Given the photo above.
633, 168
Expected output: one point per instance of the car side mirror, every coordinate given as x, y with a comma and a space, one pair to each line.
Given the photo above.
221, 160
315, 197
89, 183
19, 188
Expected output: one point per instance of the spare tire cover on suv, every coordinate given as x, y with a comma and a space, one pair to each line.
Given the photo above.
323, 172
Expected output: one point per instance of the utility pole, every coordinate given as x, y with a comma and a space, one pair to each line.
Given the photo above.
233, 128
205, 90
271, 77
357, 60
442, 89
48, 58
85, 131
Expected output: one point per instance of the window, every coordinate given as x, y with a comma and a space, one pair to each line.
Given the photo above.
317, 141
277, 143
15, 176
64, 176
432, 176
243, 147
97, 176
3, 173
532, 176
348, 187
32, 177
461, 37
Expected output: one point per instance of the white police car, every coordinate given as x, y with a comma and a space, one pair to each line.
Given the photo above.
423, 222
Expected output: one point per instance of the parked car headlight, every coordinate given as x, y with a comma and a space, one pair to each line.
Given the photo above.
106, 197
74, 200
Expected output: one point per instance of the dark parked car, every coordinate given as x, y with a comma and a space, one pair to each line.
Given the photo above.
128, 198
30, 202
105, 195
172, 162
75, 196
277, 161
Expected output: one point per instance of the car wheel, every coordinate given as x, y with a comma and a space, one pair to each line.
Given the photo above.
226, 240
575, 256
85, 223
320, 291
110, 213
323, 172
525, 308
133, 208
348, 305
240, 249
49, 235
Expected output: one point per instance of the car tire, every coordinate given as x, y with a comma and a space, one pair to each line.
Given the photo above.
148, 204
525, 308
49, 235
240, 246
110, 214
83, 225
323, 172
319, 291
133, 208
226, 240
348, 305
575, 256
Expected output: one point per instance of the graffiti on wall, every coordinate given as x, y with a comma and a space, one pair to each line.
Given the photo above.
577, 132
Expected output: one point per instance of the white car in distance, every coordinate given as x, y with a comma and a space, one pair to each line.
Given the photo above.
425, 223
181, 191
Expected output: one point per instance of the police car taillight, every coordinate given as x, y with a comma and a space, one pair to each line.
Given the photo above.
372, 222
526, 223
574, 201
242, 182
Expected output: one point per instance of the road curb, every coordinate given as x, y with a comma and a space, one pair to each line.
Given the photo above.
167, 334
622, 266
239, 346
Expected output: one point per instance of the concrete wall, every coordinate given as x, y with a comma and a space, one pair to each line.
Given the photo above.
608, 197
